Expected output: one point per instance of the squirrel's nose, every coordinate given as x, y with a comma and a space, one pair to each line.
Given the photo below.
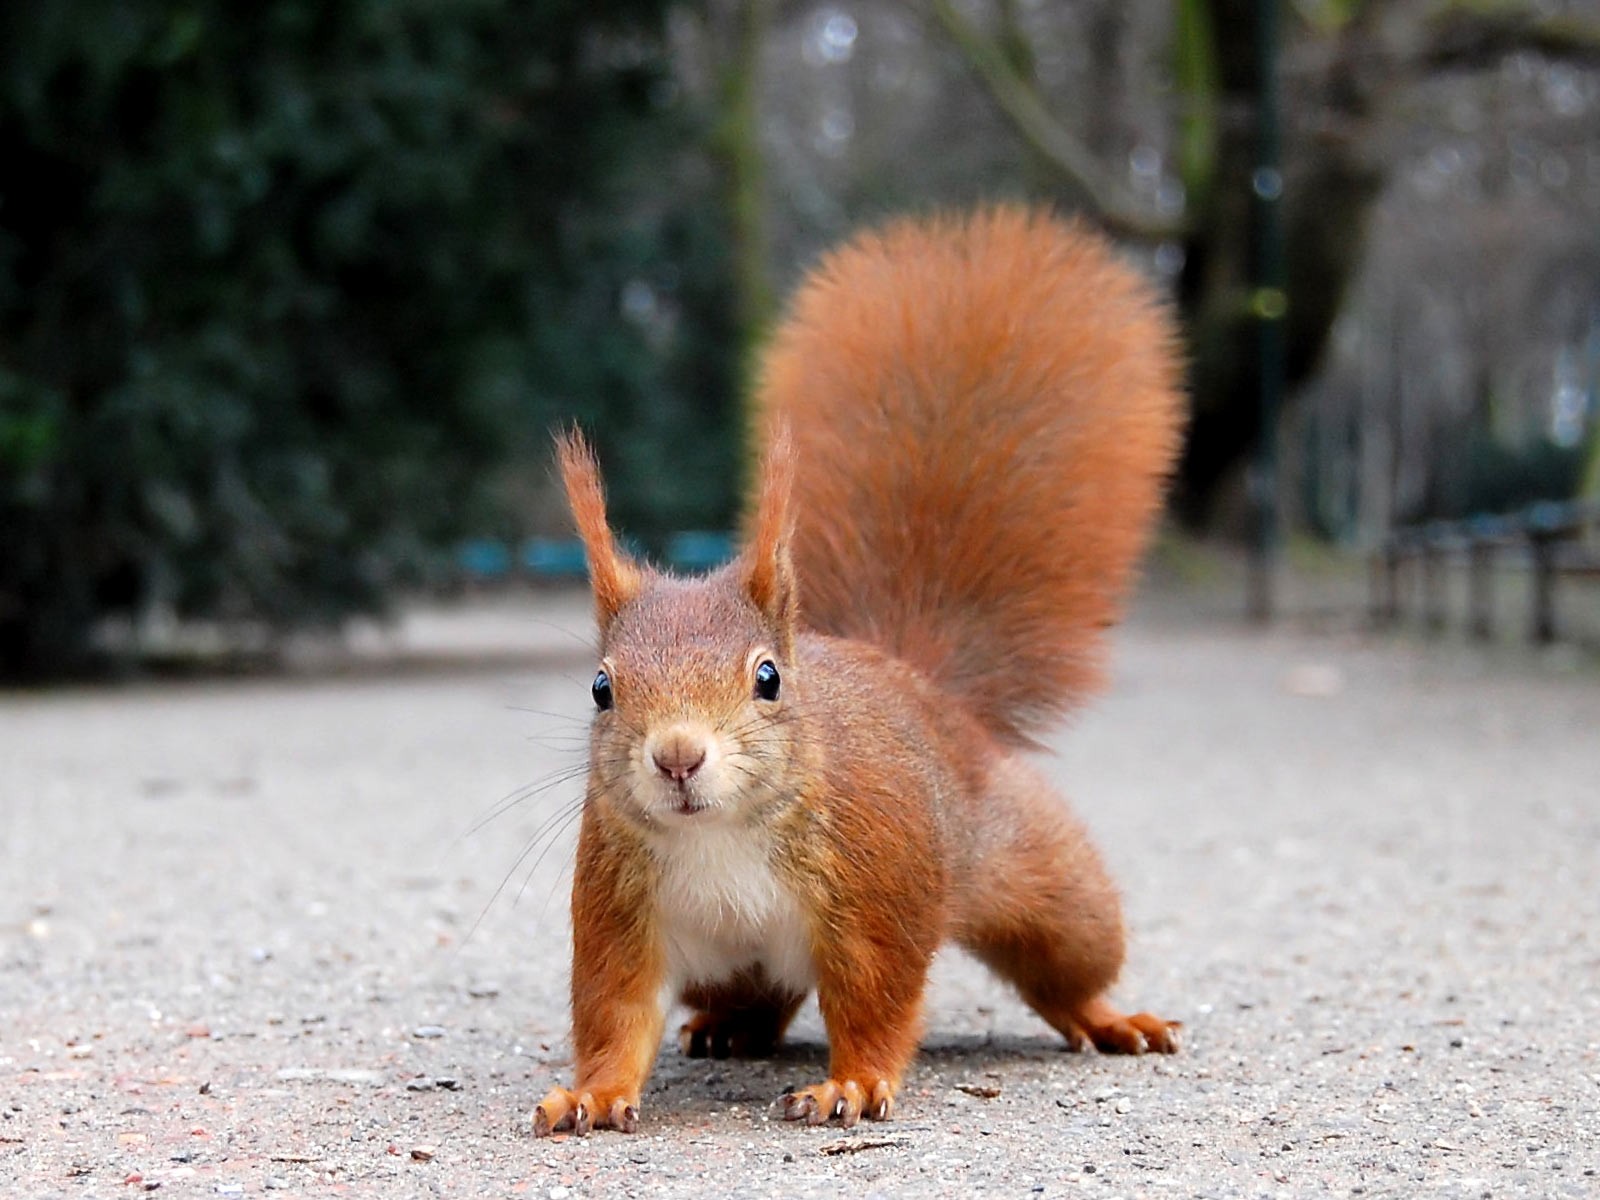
679, 755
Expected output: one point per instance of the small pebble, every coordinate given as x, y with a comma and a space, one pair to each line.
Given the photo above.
448, 1082
428, 1031
423, 1084
1123, 1105
423, 1153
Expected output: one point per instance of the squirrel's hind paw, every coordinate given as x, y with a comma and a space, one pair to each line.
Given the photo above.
564, 1111
708, 1035
845, 1102
1099, 1025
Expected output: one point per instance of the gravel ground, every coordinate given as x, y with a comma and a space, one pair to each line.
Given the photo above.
252, 939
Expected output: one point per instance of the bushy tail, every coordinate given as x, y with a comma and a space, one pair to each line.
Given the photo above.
984, 410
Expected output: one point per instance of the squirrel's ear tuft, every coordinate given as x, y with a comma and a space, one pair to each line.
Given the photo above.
768, 572
613, 577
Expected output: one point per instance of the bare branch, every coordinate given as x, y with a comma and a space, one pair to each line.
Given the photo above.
1472, 34
1019, 99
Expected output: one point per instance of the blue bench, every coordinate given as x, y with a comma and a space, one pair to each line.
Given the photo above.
488, 561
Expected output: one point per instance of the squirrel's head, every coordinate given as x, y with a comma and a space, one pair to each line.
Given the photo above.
693, 693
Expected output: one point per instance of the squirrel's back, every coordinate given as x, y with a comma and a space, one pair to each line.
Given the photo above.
984, 410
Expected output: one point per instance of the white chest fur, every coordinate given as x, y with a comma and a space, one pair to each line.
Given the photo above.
722, 907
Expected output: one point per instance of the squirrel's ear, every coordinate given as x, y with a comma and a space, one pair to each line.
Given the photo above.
613, 577
768, 572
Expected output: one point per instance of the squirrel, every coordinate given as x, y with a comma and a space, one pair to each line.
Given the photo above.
808, 769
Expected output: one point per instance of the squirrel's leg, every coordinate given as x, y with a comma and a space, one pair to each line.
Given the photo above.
869, 987
617, 978
872, 1037
1043, 914
743, 1018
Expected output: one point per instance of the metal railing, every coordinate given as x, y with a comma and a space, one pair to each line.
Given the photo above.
1549, 540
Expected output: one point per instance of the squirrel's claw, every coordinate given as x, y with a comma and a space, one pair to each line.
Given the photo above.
556, 1113
1111, 1032
798, 1106
565, 1111
845, 1102
1139, 1033
1161, 1037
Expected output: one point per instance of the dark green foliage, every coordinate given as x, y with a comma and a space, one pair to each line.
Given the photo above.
283, 284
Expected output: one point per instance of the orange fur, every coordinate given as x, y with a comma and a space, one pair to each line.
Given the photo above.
971, 420
612, 576
768, 568
984, 410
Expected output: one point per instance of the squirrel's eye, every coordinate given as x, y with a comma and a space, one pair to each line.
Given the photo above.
601, 691
767, 680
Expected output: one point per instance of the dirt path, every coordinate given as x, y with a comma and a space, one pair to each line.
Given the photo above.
235, 951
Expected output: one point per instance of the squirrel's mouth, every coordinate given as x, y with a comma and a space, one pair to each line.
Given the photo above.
685, 804
680, 799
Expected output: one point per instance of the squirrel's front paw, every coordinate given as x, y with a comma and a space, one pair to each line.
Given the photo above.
603, 1108
847, 1101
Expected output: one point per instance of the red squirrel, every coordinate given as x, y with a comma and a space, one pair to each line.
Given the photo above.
808, 769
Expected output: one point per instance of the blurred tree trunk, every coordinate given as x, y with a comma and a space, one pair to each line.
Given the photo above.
1330, 187
738, 31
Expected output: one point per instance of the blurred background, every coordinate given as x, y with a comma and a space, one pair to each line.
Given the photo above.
292, 293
